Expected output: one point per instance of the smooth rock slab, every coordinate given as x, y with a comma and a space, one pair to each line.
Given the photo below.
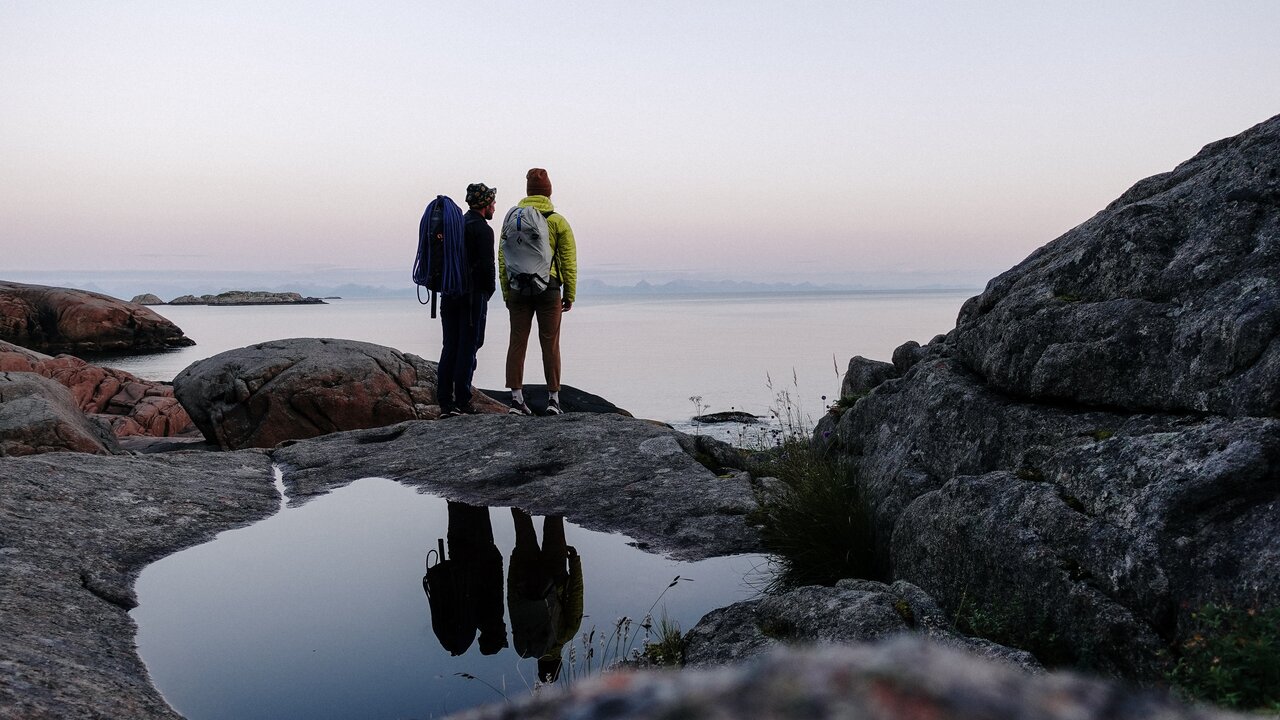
75, 531
604, 472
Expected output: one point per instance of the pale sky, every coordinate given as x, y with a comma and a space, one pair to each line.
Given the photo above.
742, 139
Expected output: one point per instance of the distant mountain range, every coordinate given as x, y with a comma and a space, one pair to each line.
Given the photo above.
378, 284
742, 287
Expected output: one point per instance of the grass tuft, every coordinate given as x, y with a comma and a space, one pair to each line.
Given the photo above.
1232, 658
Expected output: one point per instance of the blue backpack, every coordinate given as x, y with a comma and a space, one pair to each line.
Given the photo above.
441, 265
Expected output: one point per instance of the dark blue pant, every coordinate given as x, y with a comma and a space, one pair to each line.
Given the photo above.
462, 317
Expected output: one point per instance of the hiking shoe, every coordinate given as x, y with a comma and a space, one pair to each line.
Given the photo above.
451, 412
468, 409
553, 407
519, 409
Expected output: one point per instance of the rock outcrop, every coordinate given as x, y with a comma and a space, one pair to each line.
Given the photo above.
899, 679
67, 567
1094, 451
57, 320
37, 415
853, 611
248, 297
128, 404
264, 394
572, 399
147, 299
602, 471
1167, 300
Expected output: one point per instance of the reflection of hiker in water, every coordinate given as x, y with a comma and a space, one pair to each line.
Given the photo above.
544, 592
465, 591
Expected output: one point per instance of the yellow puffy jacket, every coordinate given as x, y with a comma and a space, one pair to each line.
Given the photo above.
563, 249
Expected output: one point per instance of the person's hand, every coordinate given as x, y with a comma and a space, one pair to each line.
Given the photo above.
566, 305
571, 550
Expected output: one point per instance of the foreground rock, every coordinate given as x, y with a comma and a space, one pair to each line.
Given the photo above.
852, 611
58, 320
264, 394
75, 529
67, 568
1015, 469
129, 405
37, 415
903, 679
248, 297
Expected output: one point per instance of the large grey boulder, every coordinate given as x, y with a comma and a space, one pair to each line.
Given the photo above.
1016, 472
1100, 530
853, 611
38, 415
1105, 547
261, 395
863, 375
900, 679
54, 320
1168, 299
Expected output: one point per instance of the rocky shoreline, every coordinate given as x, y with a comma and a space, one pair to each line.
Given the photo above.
63, 320
1088, 458
75, 529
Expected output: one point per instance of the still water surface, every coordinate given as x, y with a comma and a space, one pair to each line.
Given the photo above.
320, 611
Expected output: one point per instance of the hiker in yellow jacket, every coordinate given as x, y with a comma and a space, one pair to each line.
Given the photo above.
547, 306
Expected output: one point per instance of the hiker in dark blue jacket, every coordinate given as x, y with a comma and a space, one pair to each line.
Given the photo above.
463, 316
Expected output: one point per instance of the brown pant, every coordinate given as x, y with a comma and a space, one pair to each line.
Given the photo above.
546, 306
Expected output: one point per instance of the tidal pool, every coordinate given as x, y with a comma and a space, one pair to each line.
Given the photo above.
322, 611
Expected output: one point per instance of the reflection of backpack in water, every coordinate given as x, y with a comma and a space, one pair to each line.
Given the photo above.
441, 265
526, 251
535, 623
451, 617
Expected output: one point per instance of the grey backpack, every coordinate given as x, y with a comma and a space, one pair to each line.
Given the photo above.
526, 250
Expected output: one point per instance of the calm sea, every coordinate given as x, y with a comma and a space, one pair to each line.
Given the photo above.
647, 355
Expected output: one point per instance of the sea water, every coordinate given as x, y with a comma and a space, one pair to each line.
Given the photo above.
648, 355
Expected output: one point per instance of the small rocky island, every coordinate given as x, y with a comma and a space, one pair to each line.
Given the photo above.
247, 297
1064, 480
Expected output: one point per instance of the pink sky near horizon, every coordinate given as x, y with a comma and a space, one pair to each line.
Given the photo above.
770, 139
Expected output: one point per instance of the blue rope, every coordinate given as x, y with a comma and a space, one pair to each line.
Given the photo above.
453, 271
